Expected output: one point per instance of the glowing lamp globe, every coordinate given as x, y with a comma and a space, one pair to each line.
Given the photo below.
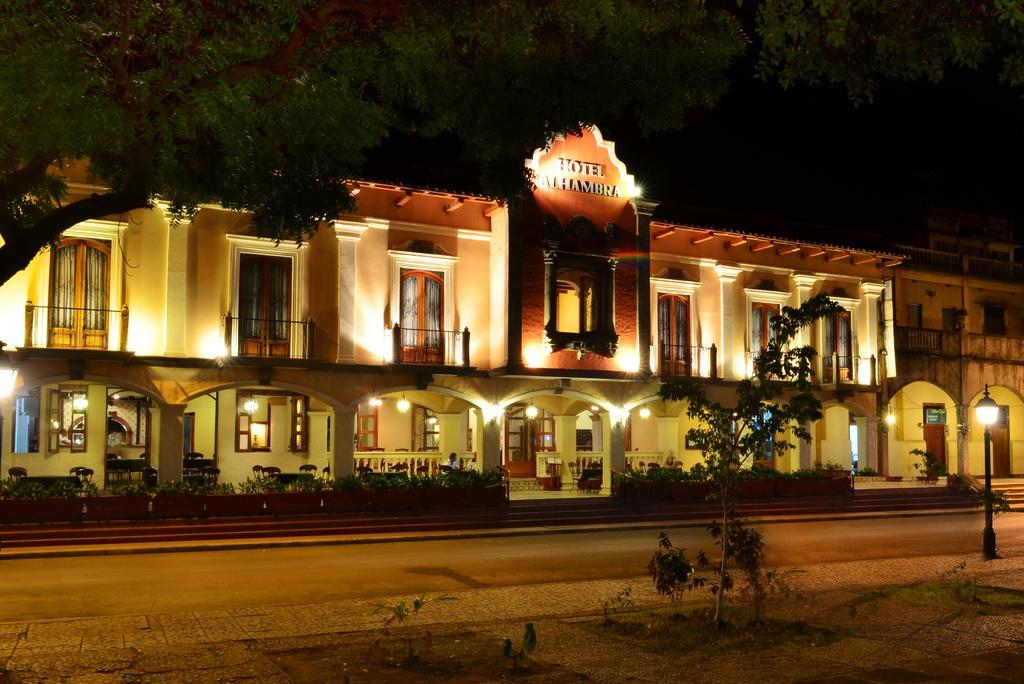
251, 406
403, 405
531, 412
986, 410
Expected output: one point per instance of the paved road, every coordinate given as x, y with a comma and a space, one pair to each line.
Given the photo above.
109, 585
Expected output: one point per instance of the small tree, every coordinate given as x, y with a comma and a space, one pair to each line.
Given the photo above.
777, 400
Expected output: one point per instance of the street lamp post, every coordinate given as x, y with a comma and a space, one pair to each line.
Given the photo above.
987, 411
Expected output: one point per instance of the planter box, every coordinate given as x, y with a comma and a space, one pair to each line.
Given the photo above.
234, 504
396, 499
178, 505
346, 500
921, 478
40, 510
871, 478
294, 502
444, 497
800, 487
894, 478
116, 507
485, 497
688, 491
755, 489
628, 489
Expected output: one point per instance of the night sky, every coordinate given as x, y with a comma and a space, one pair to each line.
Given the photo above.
809, 155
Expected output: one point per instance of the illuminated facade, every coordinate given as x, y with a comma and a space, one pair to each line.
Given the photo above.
427, 323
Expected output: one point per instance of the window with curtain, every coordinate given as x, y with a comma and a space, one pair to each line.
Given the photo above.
264, 305
674, 333
838, 342
79, 294
421, 307
761, 317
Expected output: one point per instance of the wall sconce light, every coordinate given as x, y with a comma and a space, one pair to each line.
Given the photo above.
251, 405
890, 419
375, 402
403, 405
492, 412
619, 415
645, 413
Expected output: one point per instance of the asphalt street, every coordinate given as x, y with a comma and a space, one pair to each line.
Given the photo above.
42, 588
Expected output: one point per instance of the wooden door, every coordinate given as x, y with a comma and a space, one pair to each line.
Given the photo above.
422, 309
675, 354
520, 453
79, 294
934, 427
264, 305
1000, 431
838, 347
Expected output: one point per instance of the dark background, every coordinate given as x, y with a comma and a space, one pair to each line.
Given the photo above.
805, 155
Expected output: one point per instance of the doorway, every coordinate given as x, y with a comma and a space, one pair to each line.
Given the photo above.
934, 428
1000, 432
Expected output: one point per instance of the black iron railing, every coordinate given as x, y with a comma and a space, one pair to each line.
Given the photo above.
430, 347
837, 369
76, 327
268, 337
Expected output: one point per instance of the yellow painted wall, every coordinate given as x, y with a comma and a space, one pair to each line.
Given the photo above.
976, 435
205, 408
908, 434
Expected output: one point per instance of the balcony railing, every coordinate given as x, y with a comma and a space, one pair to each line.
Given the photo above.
848, 370
949, 262
430, 347
684, 361
927, 341
997, 347
268, 337
71, 327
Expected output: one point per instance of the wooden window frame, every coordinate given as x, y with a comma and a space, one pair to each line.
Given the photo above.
373, 414
240, 399
263, 313
422, 430
540, 425
77, 332
767, 310
39, 422
984, 319
299, 414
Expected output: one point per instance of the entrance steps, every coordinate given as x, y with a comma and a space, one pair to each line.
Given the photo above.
524, 484
1013, 487
583, 511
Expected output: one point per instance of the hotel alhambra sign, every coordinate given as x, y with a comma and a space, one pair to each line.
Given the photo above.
583, 164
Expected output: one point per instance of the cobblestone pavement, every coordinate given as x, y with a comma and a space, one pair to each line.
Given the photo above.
227, 645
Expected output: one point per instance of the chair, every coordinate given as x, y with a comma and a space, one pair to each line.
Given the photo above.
150, 476
194, 456
445, 469
400, 467
257, 470
573, 472
423, 469
652, 466
84, 474
402, 449
326, 472
211, 475
307, 469
363, 471
271, 471
17, 472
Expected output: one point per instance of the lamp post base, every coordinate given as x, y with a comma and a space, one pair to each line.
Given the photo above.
988, 542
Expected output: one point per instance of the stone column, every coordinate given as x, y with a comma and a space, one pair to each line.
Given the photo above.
175, 334
169, 440
804, 285
489, 441
550, 292
343, 441
871, 442
348, 234
451, 439
806, 456
616, 451
727, 349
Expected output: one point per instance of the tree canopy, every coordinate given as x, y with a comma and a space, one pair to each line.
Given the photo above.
270, 105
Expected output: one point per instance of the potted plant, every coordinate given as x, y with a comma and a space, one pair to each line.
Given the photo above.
305, 497
222, 499
442, 491
346, 495
928, 465
128, 501
484, 489
178, 500
34, 502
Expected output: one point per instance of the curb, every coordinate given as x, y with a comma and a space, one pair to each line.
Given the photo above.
277, 542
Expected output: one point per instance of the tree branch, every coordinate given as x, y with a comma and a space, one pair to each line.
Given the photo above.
19, 251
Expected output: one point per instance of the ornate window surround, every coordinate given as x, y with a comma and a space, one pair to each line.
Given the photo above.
440, 263
672, 286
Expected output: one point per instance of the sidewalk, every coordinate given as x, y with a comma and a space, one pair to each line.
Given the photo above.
261, 642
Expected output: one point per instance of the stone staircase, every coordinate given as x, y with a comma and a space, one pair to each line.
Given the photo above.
1013, 487
524, 484
581, 511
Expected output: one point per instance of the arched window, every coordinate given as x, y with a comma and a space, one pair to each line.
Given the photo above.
761, 317
264, 305
838, 346
674, 334
79, 294
421, 301
579, 301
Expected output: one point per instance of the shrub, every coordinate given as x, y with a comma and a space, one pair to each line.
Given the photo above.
928, 464
348, 482
866, 472
129, 489
260, 485
672, 571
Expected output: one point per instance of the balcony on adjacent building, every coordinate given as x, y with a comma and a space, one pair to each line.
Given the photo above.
927, 341
70, 327
685, 361
429, 346
996, 347
268, 338
963, 264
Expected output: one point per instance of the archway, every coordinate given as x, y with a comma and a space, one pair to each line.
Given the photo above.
921, 416
1007, 435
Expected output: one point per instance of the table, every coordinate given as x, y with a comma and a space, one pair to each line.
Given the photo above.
49, 480
290, 478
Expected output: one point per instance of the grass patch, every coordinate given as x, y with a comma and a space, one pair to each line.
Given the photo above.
693, 632
960, 594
